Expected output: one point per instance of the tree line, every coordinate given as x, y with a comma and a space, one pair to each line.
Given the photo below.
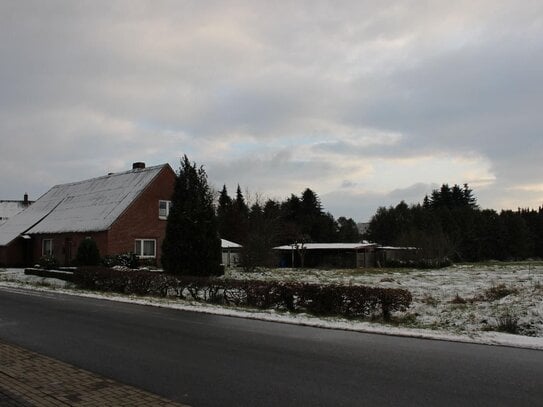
450, 224
447, 225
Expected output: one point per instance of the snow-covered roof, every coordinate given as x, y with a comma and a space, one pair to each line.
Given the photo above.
396, 248
329, 246
227, 244
85, 206
9, 209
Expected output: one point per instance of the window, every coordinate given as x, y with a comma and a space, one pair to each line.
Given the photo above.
145, 248
164, 209
47, 247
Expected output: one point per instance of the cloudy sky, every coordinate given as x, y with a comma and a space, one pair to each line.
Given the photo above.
365, 102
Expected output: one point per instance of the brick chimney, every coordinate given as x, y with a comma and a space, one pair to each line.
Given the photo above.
25, 199
138, 165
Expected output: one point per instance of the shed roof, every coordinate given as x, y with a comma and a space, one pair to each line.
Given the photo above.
227, 244
329, 246
86, 206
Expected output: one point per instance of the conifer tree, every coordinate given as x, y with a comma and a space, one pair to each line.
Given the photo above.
191, 245
224, 214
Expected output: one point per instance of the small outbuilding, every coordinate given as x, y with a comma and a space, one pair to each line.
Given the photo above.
342, 255
230, 253
327, 255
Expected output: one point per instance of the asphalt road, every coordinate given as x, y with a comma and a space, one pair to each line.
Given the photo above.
207, 360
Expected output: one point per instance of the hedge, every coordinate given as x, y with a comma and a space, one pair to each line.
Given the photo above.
316, 299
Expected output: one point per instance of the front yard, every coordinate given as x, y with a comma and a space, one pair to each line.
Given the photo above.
484, 303
460, 299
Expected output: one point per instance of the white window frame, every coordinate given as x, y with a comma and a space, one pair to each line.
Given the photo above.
168, 206
45, 252
141, 244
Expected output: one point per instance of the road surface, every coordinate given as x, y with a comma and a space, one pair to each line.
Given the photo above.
209, 360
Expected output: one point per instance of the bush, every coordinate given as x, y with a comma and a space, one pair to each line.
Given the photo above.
128, 260
87, 253
348, 301
498, 292
458, 300
48, 262
507, 323
419, 264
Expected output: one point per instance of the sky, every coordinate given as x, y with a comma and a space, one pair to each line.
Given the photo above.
365, 102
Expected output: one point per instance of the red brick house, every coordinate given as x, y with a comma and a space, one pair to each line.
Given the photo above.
123, 212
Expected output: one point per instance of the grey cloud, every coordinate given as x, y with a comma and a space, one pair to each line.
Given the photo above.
89, 85
362, 205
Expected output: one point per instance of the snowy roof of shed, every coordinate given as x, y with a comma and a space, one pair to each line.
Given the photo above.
227, 244
86, 206
329, 246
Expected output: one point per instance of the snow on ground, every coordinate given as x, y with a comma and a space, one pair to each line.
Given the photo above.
433, 313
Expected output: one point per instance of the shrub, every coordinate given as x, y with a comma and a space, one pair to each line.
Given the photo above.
88, 253
498, 292
348, 301
419, 264
507, 323
458, 300
48, 262
128, 260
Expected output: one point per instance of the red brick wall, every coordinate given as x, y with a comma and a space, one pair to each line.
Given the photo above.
63, 253
140, 220
13, 254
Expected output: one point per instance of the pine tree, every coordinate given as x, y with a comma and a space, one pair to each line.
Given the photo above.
224, 214
191, 245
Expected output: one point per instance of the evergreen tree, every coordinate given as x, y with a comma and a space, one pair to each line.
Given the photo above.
347, 230
224, 215
238, 219
191, 245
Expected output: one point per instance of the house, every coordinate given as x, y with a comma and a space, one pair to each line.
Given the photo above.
9, 209
342, 255
230, 253
123, 212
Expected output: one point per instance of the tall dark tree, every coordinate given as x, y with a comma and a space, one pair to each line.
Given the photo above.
238, 219
347, 230
225, 219
192, 245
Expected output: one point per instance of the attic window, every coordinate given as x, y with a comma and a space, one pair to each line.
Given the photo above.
164, 209
145, 248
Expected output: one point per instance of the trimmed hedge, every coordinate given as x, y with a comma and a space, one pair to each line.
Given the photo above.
348, 301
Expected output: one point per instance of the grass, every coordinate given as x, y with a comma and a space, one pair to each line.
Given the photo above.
507, 323
497, 292
458, 300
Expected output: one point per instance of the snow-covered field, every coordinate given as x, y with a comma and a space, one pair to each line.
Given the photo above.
468, 303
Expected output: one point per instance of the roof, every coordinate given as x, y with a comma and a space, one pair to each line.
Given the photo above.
9, 209
329, 246
396, 248
86, 206
227, 244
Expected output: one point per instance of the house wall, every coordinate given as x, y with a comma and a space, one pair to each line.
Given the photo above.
13, 254
141, 220
65, 245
